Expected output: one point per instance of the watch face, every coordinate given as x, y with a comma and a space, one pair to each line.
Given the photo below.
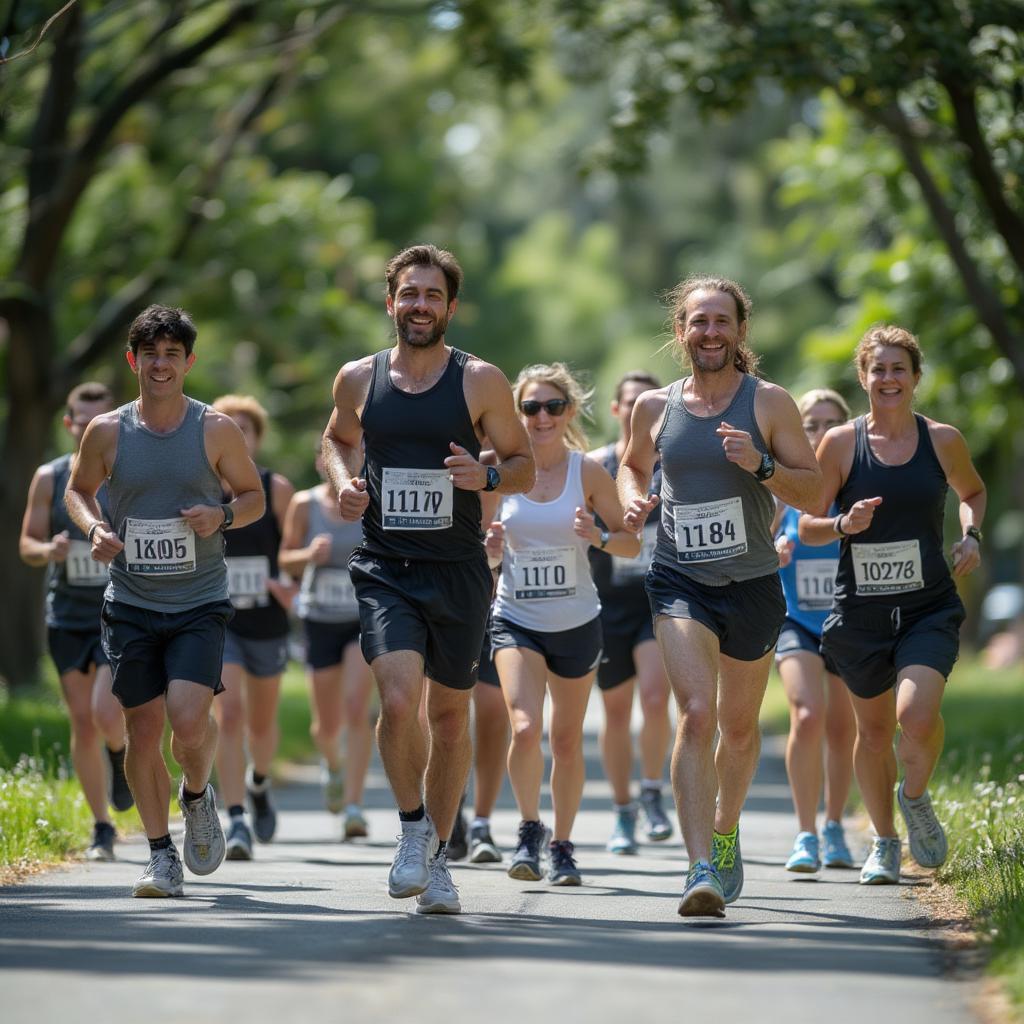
493, 478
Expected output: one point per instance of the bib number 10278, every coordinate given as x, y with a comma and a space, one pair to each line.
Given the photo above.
416, 499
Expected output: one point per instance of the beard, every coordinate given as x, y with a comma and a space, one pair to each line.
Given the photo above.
709, 362
413, 335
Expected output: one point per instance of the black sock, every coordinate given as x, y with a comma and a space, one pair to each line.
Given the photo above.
418, 815
103, 826
116, 755
441, 846
163, 843
236, 811
257, 779
189, 797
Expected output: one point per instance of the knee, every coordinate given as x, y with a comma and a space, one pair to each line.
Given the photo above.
190, 727
918, 727
808, 722
357, 713
83, 725
654, 702
144, 731
450, 726
565, 744
398, 706
697, 721
230, 718
526, 731
875, 738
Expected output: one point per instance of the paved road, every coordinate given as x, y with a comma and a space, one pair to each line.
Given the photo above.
308, 931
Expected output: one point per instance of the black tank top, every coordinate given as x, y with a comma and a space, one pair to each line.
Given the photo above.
251, 555
898, 560
414, 511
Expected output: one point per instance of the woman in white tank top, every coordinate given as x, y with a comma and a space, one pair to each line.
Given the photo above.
547, 632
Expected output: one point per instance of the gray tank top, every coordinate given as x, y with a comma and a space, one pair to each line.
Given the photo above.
716, 518
326, 593
164, 566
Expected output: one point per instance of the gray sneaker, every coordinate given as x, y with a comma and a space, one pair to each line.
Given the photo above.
623, 838
928, 844
659, 828
204, 844
883, 864
728, 863
163, 875
563, 870
333, 784
264, 817
482, 849
531, 846
410, 869
102, 845
702, 896
239, 842
440, 896
355, 826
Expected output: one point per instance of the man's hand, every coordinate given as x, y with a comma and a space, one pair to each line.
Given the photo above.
637, 512
859, 517
205, 520
466, 473
59, 547
105, 544
739, 448
353, 499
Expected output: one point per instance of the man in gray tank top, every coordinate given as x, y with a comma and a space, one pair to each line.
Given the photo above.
74, 594
163, 457
729, 444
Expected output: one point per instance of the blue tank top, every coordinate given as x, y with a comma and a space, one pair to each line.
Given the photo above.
809, 580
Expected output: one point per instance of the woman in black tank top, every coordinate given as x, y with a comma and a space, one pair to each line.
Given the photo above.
894, 628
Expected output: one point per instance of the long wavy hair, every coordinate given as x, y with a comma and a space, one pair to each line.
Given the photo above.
745, 360
559, 376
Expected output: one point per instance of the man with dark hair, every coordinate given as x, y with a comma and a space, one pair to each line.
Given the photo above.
166, 606
411, 418
728, 444
74, 594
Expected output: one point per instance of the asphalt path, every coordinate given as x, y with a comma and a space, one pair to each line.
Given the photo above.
306, 931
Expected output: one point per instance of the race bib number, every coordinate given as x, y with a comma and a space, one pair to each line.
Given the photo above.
333, 592
887, 568
710, 531
81, 569
815, 583
247, 581
630, 570
159, 547
544, 572
416, 499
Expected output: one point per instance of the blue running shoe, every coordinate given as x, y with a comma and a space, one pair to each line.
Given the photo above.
883, 864
623, 840
531, 846
804, 859
836, 854
703, 895
728, 863
563, 870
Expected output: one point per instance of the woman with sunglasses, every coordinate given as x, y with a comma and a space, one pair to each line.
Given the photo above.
546, 633
820, 713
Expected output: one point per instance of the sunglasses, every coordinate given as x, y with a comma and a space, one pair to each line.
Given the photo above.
553, 406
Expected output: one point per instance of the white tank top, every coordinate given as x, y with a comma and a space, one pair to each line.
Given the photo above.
545, 582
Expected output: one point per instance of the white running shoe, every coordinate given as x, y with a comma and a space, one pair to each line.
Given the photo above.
883, 864
204, 844
927, 837
410, 870
163, 875
440, 896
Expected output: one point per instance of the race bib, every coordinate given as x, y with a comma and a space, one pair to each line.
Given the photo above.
887, 568
81, 569
333, 592
815, 583
247, 581
159, 547
711, 530
630, 570
544, 572
416, 499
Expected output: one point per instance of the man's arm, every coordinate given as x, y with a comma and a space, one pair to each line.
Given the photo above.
35, 545
91, 467
342, 445
639, 459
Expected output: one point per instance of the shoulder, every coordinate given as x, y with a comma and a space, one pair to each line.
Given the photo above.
593, 469
651, 404
838, 441
773, 398
479, 373
354, 376
944, 435
220, 425
300, 498
102, 429
281, 484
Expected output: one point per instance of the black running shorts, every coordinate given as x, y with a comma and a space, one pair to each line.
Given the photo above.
621, 638
326, 642
569, 653
75, 650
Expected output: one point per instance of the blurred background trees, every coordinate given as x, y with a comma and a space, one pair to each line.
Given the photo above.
257, 162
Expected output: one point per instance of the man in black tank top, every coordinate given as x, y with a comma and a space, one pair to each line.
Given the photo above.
74, 596
402, 449
727, 443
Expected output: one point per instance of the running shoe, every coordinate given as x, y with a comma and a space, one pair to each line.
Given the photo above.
659, 828
204, 844
239, 841
927, 837
703, 895
355, 826
332, 781
410, 869
121, 798
727, 861
563, 870
441, 895
458, 845
531, 845
623, 840
836, 854
482, 849
102, 845
883, 864
163, 875
264, 817
804, 859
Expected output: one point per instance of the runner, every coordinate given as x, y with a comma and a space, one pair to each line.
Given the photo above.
893, 632
317, 545
421, 575
820, 713
546, 634
255, 648
74, 595
727, 442
631, 656
164, 456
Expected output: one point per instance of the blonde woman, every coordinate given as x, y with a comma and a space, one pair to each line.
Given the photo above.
546, 633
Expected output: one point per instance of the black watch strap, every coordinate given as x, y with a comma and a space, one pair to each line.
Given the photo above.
229, 515
973, 531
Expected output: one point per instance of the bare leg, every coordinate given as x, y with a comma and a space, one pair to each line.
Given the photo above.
144, 766
86, 750
106, 711
802, 678
840, 731
451, 753
490, 747
403, 747
229, 710
616, 740
193, 731
918, 702
656, 731
569, 698
874, 759
356, 686
523, 674
261, 701
328, 713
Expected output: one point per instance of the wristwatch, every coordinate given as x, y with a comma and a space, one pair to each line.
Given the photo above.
605, 537
766, 469
229, 516
973, 531
493, 479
